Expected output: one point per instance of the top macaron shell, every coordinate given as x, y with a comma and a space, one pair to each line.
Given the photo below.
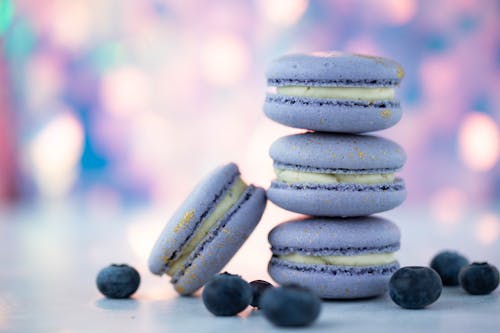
200, 202
337, 153
333, 69
335, 236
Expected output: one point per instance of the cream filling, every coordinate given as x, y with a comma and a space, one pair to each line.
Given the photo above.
370, 94
229, 200
359, 260
294, 177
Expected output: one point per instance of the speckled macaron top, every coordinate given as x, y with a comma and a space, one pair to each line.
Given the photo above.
334, 69
337, 153
181, 226
335, 236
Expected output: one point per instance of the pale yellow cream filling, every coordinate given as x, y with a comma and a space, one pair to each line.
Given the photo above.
359, 260
229, 200
369, 94
294, 177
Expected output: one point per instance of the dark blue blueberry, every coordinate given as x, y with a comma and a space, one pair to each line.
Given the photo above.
226, 295
290, 306
415, 287
479, 278
258, 288
118, 281
448, 264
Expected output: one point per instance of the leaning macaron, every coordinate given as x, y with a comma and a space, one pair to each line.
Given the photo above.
335, 257
326, 174
207, 230
334, 92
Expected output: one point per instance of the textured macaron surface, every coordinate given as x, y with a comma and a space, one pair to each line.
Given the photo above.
219, 246
188, 217
323, 153
345, 237
337, 153
334, 92
334, 69
335, 236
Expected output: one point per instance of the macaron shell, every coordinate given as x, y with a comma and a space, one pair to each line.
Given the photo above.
334, 69
335, 236
185, 220
337, 199
317, 151
334, 282
215, 251
332, 115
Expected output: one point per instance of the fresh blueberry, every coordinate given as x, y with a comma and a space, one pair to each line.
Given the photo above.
290, 306
258, 287
479, 278
118, 281
415, 287
226, 295
448, 264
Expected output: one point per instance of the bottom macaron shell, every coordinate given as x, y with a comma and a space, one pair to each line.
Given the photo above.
215, 251
332, 115
334, 282
337, 199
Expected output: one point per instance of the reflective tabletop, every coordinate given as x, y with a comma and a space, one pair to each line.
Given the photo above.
50, 255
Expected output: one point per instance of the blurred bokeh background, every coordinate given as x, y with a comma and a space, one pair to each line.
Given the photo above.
123, 102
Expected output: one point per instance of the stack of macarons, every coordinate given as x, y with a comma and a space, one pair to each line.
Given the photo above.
334, 173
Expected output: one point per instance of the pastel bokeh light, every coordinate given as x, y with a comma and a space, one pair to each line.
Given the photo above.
74, 28
224, 59
54, 154
142, 98
488, 229
283, 12
396, 12
126, 91
448, 205
142, 232
45, 74
479, 141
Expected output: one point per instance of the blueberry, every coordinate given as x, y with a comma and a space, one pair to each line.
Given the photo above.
258, 288
226, 295
290, 306
448, 264
118, 281
479, 278
415, 287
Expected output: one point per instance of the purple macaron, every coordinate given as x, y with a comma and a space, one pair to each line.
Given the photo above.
207, 230
336, 258
326, 174
334, 92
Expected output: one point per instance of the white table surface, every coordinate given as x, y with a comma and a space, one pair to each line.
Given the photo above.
50, 255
